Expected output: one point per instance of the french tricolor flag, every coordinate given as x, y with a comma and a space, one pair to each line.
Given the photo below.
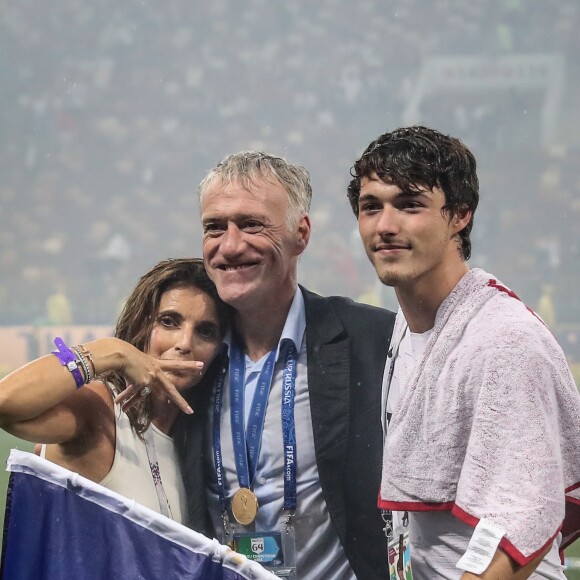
59, 525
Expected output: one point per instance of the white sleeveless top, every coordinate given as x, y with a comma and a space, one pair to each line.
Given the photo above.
130, 474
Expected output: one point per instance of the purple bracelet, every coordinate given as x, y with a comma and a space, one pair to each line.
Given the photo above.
67, 359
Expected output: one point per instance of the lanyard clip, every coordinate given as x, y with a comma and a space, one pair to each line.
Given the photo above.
288, 523
226, 523
388, 519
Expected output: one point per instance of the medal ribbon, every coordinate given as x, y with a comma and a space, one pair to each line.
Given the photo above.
217, 445
247, 446
247, 443
288, 426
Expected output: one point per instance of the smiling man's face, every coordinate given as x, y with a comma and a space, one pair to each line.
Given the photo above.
249, 250
406, 235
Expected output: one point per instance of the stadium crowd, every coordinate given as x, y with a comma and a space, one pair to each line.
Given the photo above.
112, 112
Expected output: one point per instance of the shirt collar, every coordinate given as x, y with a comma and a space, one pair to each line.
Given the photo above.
294, 327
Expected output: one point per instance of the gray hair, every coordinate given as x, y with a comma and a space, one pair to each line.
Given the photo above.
250, 167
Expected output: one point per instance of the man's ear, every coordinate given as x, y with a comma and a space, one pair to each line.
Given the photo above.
303, 233
461, 219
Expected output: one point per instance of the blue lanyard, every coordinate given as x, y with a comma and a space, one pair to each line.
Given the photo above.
247, 446
247, 443
288, 427
217, 445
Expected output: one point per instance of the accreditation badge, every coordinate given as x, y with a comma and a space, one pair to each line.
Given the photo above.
262, 547
275, 550
400, 558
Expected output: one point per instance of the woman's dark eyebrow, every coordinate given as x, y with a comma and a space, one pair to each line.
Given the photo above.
169, 312
208, 322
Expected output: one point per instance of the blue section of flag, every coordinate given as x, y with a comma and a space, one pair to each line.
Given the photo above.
56, 531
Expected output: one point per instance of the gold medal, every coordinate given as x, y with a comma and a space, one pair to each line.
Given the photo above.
244, 506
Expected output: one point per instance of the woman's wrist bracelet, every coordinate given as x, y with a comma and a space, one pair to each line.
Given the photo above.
67, 359
85, 365
88, 356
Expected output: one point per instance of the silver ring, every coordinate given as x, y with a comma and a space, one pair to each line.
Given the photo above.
145, 391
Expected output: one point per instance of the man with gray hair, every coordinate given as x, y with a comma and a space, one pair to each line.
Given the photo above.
292, 435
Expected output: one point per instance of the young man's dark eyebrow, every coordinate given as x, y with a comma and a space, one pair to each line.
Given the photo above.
367, 197
401, 194
414, 192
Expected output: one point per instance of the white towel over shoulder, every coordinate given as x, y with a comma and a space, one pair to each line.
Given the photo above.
489, 424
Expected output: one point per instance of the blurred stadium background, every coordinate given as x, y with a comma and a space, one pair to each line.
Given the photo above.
112, 112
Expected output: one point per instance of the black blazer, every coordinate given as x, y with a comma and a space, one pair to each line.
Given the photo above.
347, 346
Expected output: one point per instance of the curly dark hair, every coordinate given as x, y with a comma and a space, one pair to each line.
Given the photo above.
415, 157
136, 320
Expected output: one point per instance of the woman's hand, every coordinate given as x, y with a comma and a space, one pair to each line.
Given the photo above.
154, 379
147, 375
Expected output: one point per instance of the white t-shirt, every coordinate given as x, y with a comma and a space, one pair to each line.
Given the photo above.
439, 539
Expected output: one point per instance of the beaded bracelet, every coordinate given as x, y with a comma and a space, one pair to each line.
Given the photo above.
85, 365
89, 356
67, 359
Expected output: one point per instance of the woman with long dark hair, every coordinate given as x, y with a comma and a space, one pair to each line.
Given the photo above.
74, 400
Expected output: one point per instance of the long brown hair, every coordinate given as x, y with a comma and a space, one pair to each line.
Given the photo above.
137, 317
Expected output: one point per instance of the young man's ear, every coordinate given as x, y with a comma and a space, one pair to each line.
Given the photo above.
461, 219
